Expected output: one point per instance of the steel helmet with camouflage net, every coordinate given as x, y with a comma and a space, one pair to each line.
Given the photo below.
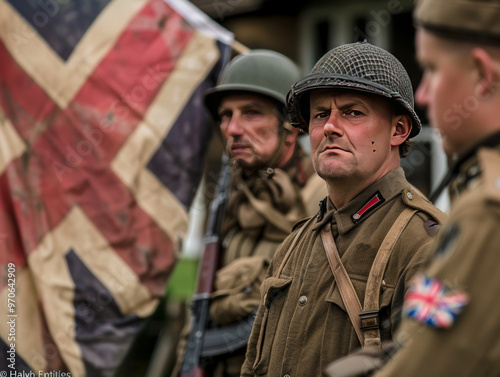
358, 66
262, 72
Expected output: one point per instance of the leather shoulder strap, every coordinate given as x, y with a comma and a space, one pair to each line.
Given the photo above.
349, 296
370, 314
366, 322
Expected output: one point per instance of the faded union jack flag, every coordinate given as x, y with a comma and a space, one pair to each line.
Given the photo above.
102, 139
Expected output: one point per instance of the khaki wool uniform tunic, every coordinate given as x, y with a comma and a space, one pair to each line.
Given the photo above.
467, 260
250, 239
302, 324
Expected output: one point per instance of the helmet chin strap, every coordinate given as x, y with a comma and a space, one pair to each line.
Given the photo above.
283, 131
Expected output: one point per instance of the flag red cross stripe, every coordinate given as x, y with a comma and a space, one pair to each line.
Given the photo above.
70, 149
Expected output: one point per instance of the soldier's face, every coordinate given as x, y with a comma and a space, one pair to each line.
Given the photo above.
447, 90
351, 137
251, 127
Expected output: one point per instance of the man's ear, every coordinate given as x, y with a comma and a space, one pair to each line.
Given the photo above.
487, 76
401, 129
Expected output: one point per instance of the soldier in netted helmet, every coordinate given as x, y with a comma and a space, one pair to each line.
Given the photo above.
274, 185
452, 314
337, 282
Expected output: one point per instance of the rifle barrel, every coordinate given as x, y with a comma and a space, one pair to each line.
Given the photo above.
209, 264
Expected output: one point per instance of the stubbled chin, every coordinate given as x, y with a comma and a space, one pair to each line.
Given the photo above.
242, 159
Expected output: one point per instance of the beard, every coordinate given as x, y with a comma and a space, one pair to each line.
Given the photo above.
254, 163
251, 162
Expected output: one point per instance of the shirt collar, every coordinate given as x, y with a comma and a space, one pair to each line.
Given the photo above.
365, 204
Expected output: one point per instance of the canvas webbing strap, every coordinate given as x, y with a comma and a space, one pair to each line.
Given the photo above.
267, 211
370, 315
366, 323
347, 292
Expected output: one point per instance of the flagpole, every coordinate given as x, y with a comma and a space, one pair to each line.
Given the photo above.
239, 47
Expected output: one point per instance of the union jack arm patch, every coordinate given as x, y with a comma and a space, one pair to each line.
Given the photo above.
430, 302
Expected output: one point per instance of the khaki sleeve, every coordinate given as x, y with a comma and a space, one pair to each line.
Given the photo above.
421, 256
465, 259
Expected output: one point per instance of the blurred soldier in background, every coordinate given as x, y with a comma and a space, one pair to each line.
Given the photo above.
357, 106
273, 186
453, 309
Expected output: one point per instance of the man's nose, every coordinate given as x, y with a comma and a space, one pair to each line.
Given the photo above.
234, 126
422, 93
332, 125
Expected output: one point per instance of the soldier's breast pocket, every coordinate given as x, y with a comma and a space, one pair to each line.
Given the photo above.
385, 306
274, 293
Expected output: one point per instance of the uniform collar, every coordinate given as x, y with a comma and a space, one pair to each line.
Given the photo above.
468, 172
465, 164
365, 204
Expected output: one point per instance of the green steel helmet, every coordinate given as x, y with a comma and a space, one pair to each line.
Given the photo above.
358, 66
262, 72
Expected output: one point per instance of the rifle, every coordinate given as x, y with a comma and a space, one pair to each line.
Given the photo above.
212, 251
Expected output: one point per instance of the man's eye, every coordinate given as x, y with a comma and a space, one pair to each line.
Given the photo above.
352, 113
251, 113
321, 115
224, 115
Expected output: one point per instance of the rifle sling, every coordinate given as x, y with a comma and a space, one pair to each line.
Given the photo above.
366, 322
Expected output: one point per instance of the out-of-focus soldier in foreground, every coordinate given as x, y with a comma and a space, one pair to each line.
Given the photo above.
357, 106
273, 186
452, 322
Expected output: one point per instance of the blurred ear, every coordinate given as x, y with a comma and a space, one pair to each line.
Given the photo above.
401, 129
487, 76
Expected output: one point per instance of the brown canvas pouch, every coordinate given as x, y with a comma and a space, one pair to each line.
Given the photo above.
237, 289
